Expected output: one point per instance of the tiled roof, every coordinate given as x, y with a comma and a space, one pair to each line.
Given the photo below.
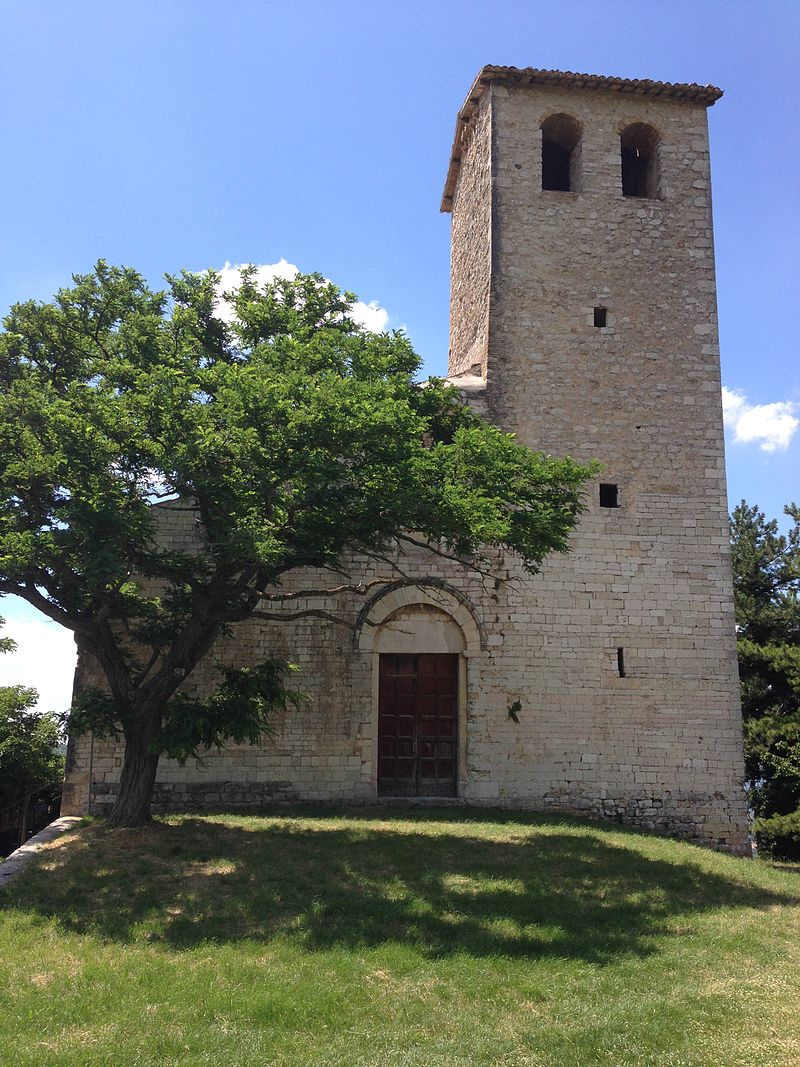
698, 94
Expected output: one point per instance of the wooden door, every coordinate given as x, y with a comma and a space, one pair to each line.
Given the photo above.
417, 717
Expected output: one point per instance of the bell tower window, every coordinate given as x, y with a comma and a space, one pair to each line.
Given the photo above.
640, 164
561, 137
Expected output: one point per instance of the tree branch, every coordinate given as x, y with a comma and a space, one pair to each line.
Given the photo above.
427, 546
360, 587
168, 507
291, 616
370, 553
142, 675
29, 592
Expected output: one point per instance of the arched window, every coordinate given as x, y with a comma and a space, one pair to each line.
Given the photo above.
561, 136
639, 151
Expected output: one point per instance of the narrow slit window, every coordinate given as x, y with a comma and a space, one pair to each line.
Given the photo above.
609, 495
601, 317
621, 662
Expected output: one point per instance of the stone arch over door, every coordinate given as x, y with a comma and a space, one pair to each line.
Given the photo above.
434, 628
431, 596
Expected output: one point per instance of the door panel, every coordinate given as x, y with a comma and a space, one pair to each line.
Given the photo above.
418, 705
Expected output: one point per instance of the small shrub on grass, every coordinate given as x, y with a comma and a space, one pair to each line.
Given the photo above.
779, 835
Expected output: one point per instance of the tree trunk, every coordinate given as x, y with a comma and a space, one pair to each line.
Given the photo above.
139, 765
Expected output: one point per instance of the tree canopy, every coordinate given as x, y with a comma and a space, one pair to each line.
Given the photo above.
766, 566
30, 761
286, 432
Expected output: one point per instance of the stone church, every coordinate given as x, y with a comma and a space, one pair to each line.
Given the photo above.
583, 319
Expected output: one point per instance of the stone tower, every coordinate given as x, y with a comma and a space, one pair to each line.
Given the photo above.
583, 313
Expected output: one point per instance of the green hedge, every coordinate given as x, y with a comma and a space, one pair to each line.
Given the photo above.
779, 835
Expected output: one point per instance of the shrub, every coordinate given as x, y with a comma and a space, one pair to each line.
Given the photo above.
779, 835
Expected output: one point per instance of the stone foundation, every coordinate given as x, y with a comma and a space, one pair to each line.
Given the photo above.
698, 819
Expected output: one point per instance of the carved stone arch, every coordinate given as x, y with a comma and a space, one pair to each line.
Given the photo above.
400, 600
568, 113
638, 119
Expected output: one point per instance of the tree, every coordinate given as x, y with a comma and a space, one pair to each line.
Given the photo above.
288, 432
30, 761
766, 568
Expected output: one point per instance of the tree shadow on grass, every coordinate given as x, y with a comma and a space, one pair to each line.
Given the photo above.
361, 885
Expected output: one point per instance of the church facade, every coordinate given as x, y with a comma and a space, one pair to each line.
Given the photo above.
583, 319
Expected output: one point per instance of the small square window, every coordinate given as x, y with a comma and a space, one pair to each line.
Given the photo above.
609, 495
601, 317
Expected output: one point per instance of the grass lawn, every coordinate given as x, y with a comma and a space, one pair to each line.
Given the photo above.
390, 937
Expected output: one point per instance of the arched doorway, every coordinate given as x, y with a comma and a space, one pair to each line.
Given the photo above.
420, 638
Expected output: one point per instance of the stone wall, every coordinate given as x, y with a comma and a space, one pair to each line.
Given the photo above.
562, 755
470, 253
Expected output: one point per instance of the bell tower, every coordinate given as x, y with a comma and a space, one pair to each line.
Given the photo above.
583, 311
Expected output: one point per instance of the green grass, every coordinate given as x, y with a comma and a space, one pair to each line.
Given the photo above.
389, 938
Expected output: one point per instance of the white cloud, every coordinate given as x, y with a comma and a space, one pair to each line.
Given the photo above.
44, 659
371, 316
772, 426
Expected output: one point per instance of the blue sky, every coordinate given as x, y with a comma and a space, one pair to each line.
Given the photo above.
183, 133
